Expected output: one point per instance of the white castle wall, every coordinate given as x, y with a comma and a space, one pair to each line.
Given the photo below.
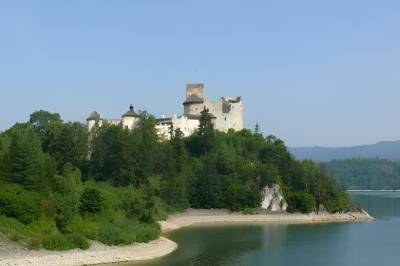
129, 122
186, 125
225, 119
228, 113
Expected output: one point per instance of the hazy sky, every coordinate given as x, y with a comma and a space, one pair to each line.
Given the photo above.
311, 72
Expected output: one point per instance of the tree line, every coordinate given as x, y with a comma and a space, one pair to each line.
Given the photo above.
363, 173
62, 185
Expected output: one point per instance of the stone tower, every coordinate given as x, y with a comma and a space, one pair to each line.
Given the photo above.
130, 118
194, 103
92, 120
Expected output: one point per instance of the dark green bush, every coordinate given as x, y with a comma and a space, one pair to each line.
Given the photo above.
128, 233
57, 242
18, 203
91, 201
78, 241
304, 202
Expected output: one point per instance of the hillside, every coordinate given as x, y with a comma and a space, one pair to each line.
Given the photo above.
62, 186
385, 150
362, 173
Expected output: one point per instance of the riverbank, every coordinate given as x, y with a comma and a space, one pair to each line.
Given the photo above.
11, 254
194, 217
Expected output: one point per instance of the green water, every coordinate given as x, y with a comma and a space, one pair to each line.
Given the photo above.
369, 243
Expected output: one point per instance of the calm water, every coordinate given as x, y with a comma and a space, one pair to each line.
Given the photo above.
370, 243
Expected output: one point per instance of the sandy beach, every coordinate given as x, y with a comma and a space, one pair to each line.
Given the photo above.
11, 254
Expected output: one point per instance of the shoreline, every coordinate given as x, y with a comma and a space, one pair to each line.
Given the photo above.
373, 190
10, 254
213, 217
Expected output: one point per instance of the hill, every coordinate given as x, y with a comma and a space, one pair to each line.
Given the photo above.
385, 150
362, 173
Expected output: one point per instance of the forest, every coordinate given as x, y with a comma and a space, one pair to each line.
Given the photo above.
62, 186
363, 173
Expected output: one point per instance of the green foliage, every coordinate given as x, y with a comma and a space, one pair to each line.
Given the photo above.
18, 203
361, 173
204, 140
59, 187
91, 201
128, 233
25, 156
60, 242
303, 202
41, 119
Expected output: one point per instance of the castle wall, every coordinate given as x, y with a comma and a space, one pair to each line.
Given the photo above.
186, 125
228, 113
193, 109
129, 122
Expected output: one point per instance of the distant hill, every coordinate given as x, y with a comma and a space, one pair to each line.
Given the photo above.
365, 173
385, 150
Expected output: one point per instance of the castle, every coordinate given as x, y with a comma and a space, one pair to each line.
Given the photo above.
227, 114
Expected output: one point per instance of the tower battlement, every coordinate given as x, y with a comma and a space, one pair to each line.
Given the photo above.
195, 90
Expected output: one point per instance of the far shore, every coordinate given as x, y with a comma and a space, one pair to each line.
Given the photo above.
373, 190
195, 217
10, 254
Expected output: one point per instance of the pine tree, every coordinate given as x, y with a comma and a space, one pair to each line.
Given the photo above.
25, 157
206, 131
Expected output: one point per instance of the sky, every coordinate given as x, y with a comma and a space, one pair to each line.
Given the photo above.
310, 72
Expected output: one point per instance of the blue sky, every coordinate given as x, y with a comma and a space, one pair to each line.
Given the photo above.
311, 72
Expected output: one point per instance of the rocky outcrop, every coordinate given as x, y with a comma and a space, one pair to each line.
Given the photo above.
272, 199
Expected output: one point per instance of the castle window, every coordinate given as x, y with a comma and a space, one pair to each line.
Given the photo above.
225, 118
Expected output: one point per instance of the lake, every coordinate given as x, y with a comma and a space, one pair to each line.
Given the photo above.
368, 243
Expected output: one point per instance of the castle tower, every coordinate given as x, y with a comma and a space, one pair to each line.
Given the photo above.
130, 118
92, 120
194, 103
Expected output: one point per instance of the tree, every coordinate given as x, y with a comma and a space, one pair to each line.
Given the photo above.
25, 157
146, 150
41, 119
204, 140
257, 129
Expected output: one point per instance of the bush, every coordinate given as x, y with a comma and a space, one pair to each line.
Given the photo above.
304, 202
13, 229
57, 242
91, 201
60, 242
84, 227
78, 241
128, 233
18, 203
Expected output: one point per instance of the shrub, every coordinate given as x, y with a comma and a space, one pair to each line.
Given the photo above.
91, 201
12, 228
128, 233
60, 242
33, 243
18, 203
304, 202
78, 241
57, 242
84, 227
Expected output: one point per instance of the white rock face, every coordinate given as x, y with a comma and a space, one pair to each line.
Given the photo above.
273, 199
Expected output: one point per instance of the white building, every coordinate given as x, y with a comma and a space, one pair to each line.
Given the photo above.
227, 112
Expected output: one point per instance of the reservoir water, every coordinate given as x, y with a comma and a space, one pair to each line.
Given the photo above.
368, 243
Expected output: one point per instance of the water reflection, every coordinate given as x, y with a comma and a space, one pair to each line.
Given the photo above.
367, 244
381, 205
